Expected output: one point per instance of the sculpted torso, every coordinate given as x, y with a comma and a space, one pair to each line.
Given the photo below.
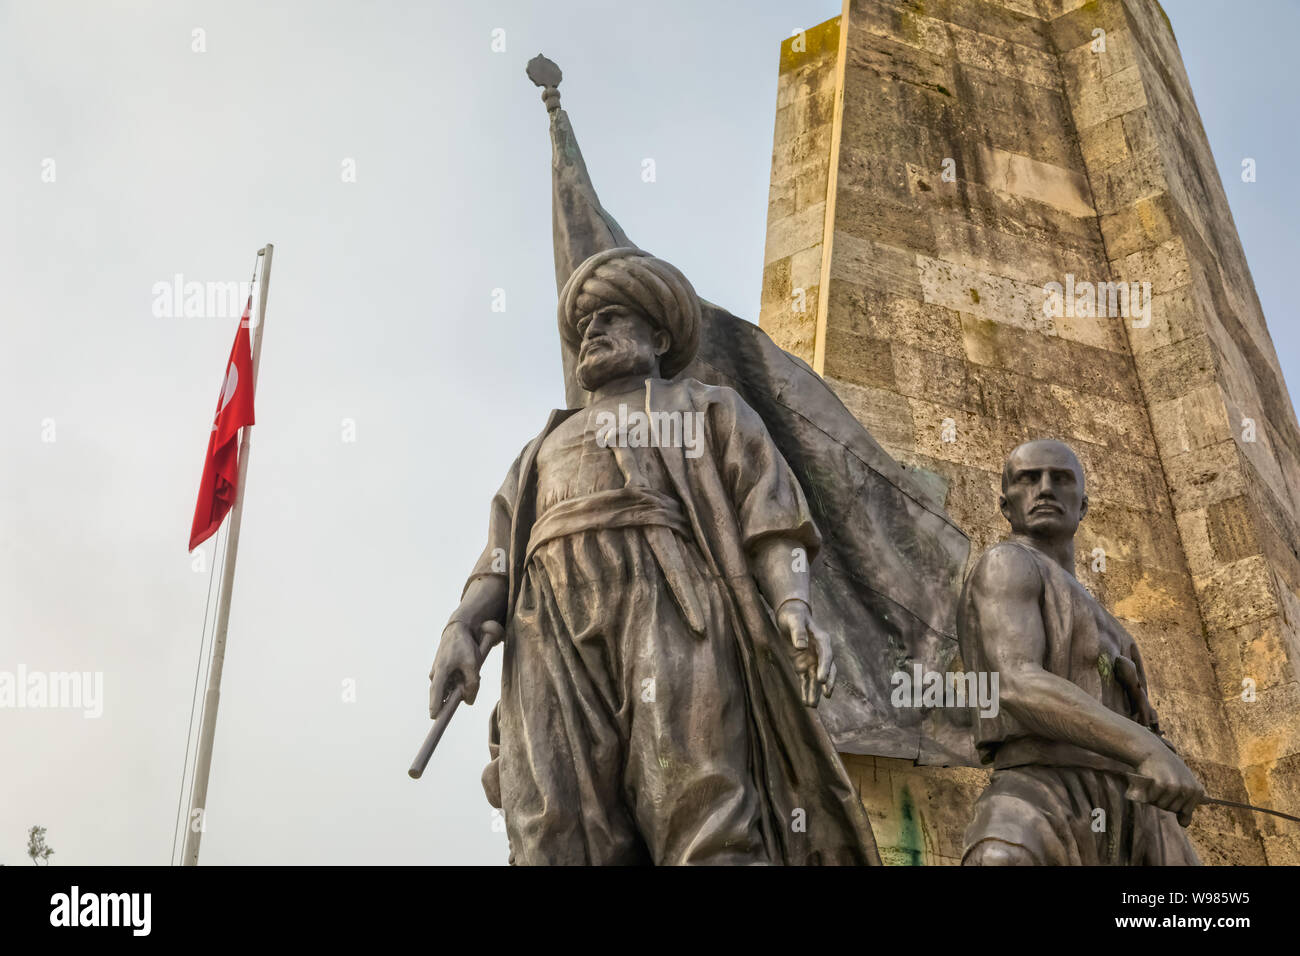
1092, 649
571, 462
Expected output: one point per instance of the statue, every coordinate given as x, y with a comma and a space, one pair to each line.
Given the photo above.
886, 583
1082, 774
687, 561
652, 710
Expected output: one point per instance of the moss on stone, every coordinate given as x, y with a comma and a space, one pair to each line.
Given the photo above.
910, 837
1104, 667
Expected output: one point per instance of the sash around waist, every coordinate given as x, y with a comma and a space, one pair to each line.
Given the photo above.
625, 507
1022, 751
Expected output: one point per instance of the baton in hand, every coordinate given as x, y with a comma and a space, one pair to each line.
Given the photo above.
489, 633
1134, 778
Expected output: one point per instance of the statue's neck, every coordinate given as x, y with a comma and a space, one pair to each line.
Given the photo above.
623, 385
1060, 550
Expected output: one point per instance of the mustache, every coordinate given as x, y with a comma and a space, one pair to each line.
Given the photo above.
601, 342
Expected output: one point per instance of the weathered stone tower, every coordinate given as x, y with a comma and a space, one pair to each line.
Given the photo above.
937, 164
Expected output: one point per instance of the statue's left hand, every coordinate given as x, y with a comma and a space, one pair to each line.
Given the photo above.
813, 659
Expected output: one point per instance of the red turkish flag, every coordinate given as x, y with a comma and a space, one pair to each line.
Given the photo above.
234, 410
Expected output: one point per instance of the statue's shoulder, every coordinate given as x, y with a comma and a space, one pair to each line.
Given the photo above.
1005, 569
693, 392
724, 408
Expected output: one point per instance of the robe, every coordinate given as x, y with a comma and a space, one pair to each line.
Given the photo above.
723, 762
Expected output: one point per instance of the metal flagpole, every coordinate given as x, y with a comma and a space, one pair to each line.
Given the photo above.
194, 823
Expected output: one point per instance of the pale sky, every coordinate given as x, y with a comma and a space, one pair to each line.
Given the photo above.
167, 161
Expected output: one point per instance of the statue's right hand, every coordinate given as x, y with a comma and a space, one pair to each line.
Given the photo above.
455, 665
1164, 780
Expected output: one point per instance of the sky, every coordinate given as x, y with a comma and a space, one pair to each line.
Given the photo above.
398, 159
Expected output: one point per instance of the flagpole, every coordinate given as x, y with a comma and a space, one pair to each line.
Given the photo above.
194, 822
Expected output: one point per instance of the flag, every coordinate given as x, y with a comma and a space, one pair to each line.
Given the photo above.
220, 481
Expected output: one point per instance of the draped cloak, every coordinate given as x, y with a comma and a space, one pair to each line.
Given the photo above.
722, 492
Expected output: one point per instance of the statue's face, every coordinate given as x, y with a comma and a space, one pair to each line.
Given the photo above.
1042, 491
616, 342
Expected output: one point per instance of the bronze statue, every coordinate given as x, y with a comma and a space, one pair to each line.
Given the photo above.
887, 579
656, 555
653, 708
1082, 774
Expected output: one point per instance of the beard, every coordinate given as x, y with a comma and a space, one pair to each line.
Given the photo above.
612, 358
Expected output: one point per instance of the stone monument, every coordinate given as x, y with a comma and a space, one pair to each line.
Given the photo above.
993, 221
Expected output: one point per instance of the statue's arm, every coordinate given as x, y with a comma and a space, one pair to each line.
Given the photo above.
766, 495
778, 533
485, 598
490, 573
779, 564
1006, 589
776, 561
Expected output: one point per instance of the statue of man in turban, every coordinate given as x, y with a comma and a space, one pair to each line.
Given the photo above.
648, 557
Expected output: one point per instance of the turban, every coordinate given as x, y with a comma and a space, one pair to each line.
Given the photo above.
635, 280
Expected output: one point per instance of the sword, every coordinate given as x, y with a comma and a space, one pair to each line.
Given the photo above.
1250, 806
